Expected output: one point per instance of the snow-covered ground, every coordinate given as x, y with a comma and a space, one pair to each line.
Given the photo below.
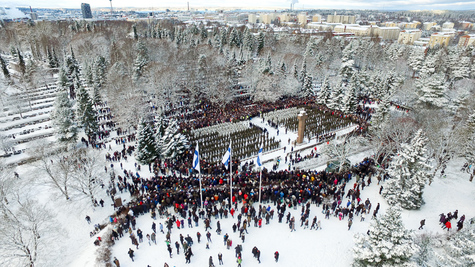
330, 246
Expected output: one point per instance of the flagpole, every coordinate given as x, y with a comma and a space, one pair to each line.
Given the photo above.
201, 191
231, 174
196, 165
259, 163
260, 183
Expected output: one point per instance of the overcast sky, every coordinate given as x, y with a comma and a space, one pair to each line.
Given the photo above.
301, 4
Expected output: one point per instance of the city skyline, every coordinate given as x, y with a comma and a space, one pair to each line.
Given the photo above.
249, 4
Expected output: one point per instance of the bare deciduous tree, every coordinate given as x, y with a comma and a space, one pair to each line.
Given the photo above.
85, 177
22, 231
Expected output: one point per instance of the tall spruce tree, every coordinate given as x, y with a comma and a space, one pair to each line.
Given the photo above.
381, 114
324, 93
408, 173
21, 62
387, 244
160, 127
432, 90
87, 116
350, 100
174, 143
468, 149
63, 118
146, 147
260, 42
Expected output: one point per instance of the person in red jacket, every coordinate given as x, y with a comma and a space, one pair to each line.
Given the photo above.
448, 225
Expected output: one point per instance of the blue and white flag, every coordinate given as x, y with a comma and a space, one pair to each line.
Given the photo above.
227, 156
196, 159
259, 157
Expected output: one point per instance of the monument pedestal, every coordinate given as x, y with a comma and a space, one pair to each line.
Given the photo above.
301, 130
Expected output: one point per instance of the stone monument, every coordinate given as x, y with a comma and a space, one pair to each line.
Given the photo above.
302, 117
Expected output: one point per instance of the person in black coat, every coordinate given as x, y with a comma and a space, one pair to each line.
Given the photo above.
131, 254
211, 264
423, 222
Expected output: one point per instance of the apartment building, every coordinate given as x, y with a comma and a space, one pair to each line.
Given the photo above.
409, 36
302, 18
387, 33
267, 18
317, 18
252, 18
341, 19
356, 29
440, 38
467, 40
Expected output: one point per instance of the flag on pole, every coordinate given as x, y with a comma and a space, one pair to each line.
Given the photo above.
196, 159
259, 157
227, 156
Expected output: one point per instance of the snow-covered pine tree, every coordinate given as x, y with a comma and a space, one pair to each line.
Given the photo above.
96, 97
63, 118
86, 115
174, 143
234, 38
461, 70
469, 146
55, 58
146, 147
21, 62
431, 90
307, 85
336, 96
389, 243
429, 66
296, 72
260, 42
89, 76
249, 40
50, 58
267, 66
63, 80
203, 32
347, 70
303, 71
224, 37
324, 93
160, 127
99, 71
350, 100
416, 60
283, 69
408, 173
141, 60
381, 115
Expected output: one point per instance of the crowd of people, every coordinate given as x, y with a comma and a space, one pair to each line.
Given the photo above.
178, 200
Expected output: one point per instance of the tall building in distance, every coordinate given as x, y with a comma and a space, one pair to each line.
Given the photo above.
86, 11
